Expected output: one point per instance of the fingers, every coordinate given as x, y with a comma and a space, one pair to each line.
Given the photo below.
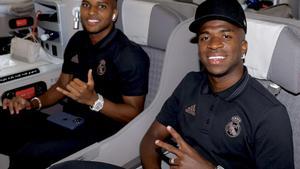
174, 161
176, 136
168, 147
65, 92
5, 103
16, 104
11, 107
74, 89
19, 104
174, 167
90, 82
79, 90
77, 84
28, 106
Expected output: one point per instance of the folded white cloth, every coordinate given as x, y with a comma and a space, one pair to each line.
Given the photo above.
262, 38
136, 14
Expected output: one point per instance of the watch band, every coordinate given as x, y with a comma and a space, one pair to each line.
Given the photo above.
98, 105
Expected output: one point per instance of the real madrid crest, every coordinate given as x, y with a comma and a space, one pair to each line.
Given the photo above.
233, 128
101, 69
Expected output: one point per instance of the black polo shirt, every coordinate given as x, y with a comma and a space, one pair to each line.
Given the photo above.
243, 127
120, 67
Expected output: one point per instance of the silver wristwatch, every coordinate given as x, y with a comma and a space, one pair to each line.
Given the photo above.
98, 105
219, 167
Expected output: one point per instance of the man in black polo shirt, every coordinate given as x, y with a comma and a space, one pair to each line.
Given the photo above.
223, 116
105, 79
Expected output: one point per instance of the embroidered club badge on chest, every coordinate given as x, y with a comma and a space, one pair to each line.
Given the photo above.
101, 69
233, 128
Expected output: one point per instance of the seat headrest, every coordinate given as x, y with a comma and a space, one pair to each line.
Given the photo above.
273, 53
285, 64
148, 23
262, 38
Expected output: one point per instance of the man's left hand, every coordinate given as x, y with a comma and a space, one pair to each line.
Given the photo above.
186, 156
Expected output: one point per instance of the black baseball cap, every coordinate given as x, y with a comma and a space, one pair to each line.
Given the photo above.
227, 10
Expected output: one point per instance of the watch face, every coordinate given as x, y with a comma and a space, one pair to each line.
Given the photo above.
98, 105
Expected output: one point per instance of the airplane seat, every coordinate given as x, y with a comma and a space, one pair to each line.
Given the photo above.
155, 23
273, 58
150, 25
185, 8
119, 23
294, 5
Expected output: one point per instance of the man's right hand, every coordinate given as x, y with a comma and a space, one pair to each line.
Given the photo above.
186, 156
80, 91
16, 104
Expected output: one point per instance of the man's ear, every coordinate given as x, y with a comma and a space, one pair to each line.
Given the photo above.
244, 47
115, 15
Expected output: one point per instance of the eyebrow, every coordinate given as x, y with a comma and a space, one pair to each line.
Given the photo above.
97, 1
222, 30
103, 1
227, 30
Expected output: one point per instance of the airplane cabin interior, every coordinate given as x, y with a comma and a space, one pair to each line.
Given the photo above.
160, 27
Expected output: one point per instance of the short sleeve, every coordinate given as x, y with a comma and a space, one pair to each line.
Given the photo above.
71, 51
133, 68
273, 140
169, 113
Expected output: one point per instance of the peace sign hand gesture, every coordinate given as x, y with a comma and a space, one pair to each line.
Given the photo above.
186, 156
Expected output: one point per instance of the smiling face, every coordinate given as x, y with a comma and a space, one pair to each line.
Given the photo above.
221, 46
97, 16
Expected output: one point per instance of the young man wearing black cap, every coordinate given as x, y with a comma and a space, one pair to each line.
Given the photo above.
224, 117
104, 79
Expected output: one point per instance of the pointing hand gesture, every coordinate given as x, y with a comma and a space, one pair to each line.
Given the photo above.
80, 91
186, 156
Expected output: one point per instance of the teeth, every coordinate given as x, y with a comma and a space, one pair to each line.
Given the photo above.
216, 57
93, 20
